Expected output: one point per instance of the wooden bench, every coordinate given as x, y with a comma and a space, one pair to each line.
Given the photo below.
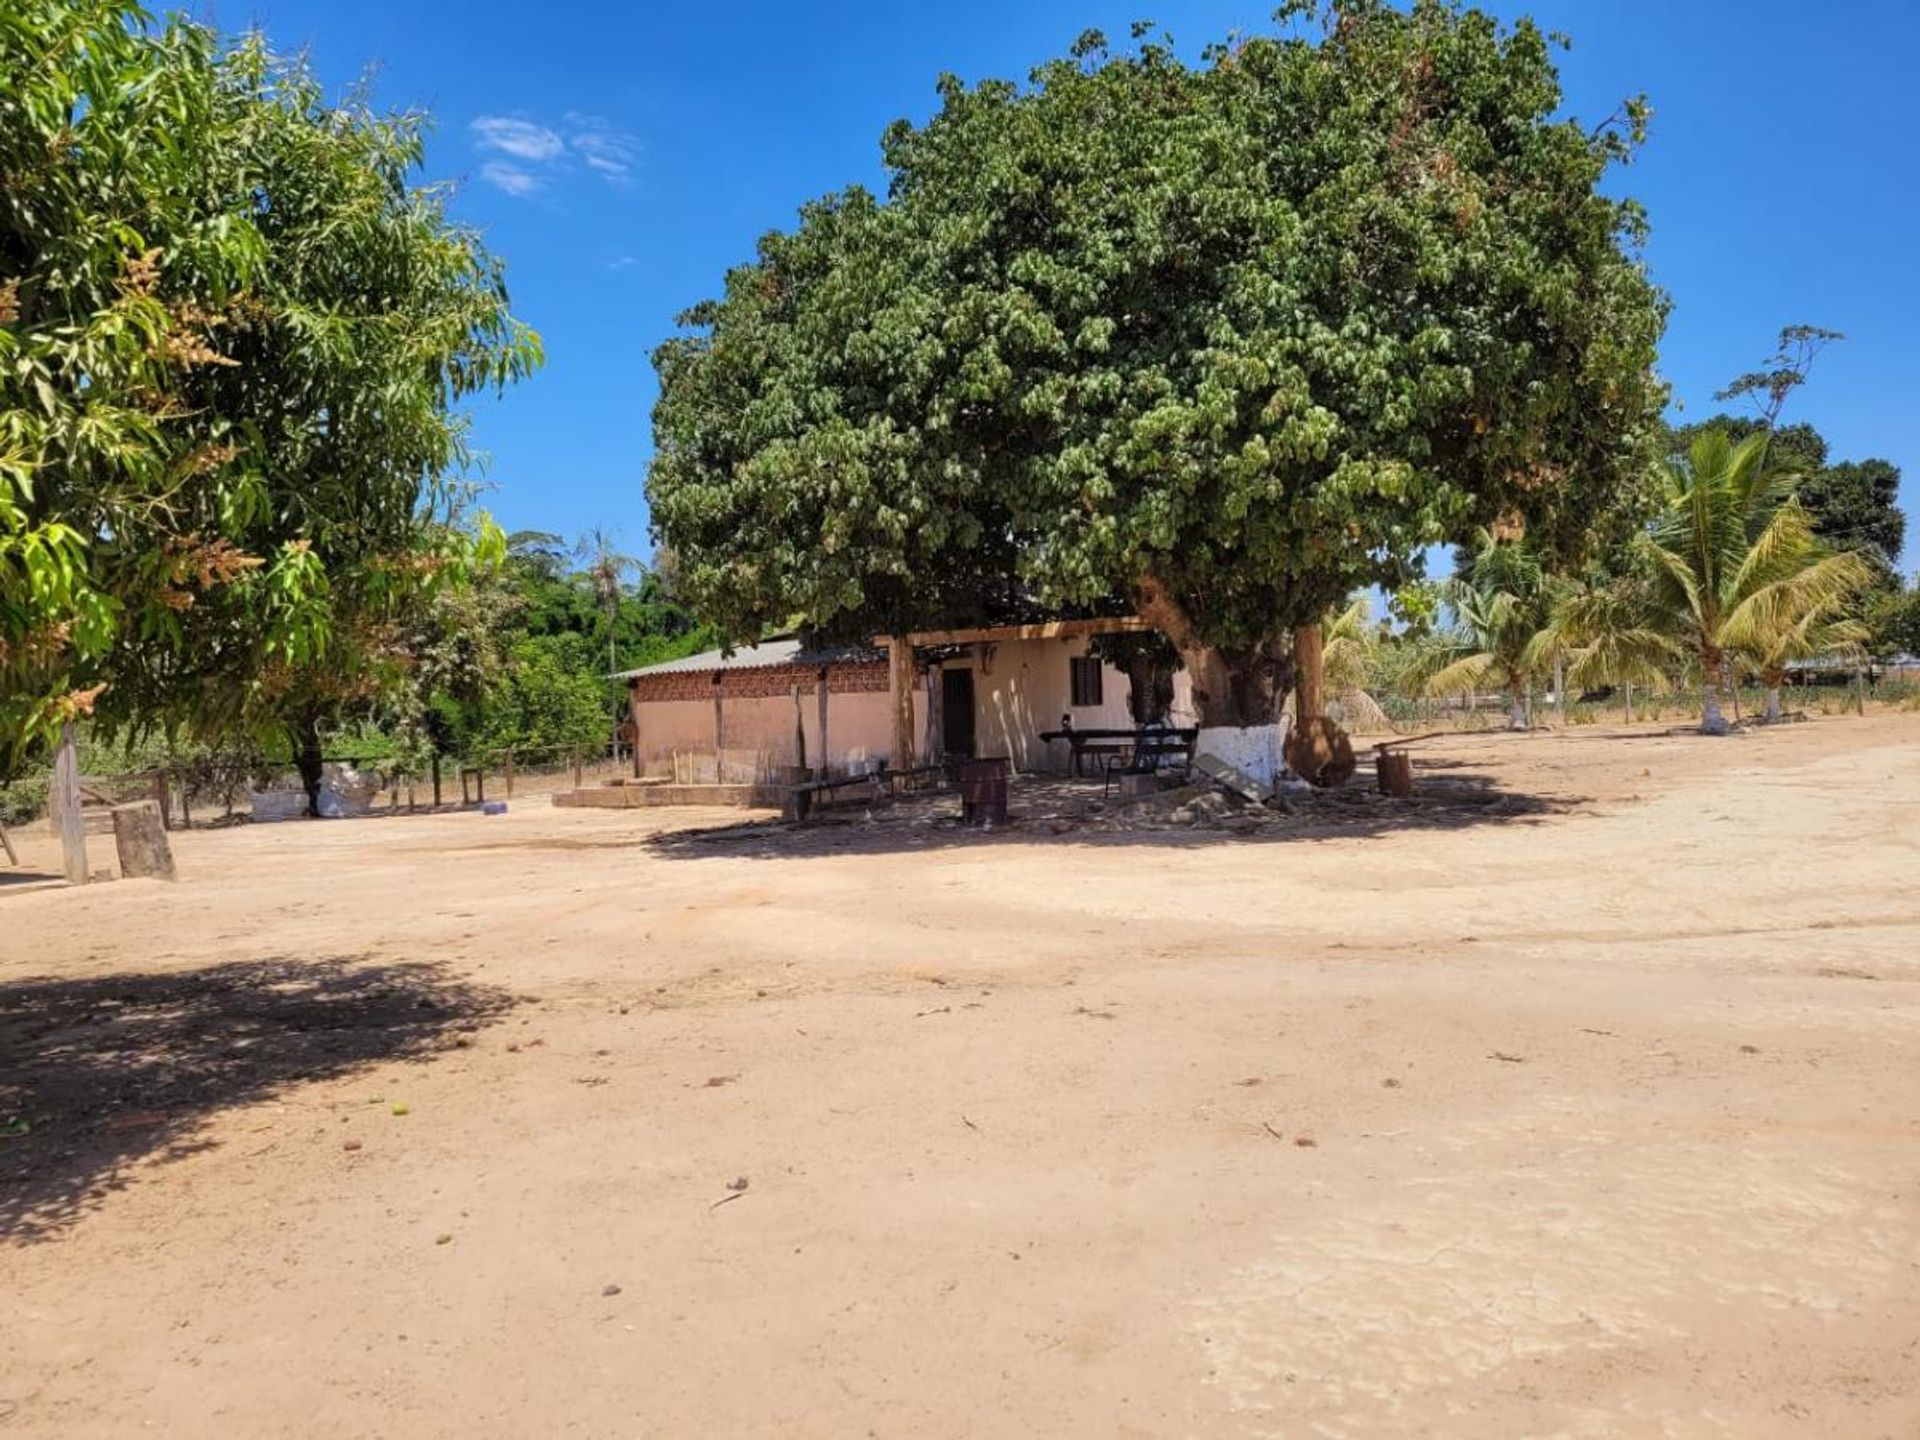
1149, 757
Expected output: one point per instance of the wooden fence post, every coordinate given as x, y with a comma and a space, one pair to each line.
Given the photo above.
163, 798
140, 840
573, 753
68, 822
436, 779
509, 774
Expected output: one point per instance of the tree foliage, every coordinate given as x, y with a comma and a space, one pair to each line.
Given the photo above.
1218, 343
1731, 572
1501, 601
233, 341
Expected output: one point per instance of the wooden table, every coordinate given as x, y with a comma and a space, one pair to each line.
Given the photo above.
1161, 739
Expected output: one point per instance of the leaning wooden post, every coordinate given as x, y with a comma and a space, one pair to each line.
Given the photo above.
68, 822
719, 734
799, 729
900, 686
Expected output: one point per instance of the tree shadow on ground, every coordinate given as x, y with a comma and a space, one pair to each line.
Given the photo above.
1044, 811
99, 1074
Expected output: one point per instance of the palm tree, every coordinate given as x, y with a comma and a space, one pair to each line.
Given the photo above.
606, 571
1351, 649
1729, 573
1501, 600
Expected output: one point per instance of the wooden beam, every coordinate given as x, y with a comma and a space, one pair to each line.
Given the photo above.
900, 687
1048, 630
68, 822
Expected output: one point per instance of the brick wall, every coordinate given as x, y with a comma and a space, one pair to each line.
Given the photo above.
861, 677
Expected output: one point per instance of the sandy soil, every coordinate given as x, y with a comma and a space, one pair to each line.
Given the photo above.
1594, 1117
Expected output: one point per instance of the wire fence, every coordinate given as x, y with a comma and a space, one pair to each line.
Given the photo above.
226, 789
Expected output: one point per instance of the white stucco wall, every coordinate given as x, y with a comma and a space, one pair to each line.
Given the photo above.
1023, 687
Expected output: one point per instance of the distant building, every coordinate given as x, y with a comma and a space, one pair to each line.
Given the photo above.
739, 716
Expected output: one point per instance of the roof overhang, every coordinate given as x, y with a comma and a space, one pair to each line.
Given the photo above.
1044, 630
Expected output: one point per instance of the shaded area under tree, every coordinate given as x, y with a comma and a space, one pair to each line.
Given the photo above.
101, 1073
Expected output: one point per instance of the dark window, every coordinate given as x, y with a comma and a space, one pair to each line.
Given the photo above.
1086, 680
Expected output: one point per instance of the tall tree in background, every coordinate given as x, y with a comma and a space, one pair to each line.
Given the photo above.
1730, 572
1501, 600
1854, 505
1217, 344
606, 570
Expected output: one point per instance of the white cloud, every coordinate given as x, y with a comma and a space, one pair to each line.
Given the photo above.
536, 153
521, 139
510, 178
623, 262
605, 150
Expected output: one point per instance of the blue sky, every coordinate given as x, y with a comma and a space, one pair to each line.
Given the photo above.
622, 156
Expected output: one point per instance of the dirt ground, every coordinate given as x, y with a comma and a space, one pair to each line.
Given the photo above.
1592, 1115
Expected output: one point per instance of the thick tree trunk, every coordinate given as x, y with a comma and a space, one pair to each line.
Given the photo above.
1238, 693
1517, 712
1772, 712
1148, 694
306, 756
1318, 751
1244, 687
1309, 673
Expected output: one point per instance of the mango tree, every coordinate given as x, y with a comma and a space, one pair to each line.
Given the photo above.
1217, 344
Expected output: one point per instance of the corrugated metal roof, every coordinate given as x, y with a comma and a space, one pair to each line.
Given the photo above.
770, 654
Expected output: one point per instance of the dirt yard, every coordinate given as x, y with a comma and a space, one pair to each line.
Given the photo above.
1596, 1113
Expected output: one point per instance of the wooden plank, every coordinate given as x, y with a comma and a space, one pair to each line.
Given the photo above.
69, 823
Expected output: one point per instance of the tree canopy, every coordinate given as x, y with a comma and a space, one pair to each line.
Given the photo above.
233, 341
1218, 343
1855, 504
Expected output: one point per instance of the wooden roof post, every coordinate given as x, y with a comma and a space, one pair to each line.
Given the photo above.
719, 733
900, 686
820, 694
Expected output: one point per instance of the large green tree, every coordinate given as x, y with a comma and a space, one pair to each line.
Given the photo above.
1216, 343
244, 336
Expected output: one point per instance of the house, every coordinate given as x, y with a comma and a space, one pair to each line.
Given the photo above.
743, 716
